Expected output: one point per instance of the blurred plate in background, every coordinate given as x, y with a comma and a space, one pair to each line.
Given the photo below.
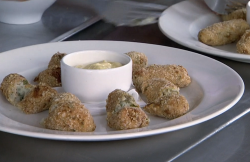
182, 23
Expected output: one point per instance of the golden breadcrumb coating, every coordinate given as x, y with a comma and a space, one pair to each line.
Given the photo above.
69, 115
123, 112
52, 75
55, 60
118, 99
138, 76
15, 87
156, 88
127, 118
37, 100
223, 32
61, 98
243, 45
169, 107
176, 74
139, 59
237, 14
28, 98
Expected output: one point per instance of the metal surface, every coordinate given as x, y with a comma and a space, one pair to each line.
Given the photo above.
60, 21
210, 134
230, 145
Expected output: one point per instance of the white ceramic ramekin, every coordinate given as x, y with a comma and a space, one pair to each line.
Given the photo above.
94, 85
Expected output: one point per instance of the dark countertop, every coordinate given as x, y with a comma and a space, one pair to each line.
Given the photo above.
205, 141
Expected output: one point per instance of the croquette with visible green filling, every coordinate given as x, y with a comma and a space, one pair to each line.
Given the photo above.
123, 112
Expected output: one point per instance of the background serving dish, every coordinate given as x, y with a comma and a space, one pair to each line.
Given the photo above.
182, 22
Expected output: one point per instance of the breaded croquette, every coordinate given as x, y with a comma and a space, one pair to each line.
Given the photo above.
37, 100
176, 74
28, 98
55, 60
62, 97
138, 76
237, 14
156, 88
15, 87
139, 59
68, 114
223, 32
123, 112
169, 107
243, 45
52, 75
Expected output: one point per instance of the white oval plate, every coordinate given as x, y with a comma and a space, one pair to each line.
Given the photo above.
215, 88
182, 23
